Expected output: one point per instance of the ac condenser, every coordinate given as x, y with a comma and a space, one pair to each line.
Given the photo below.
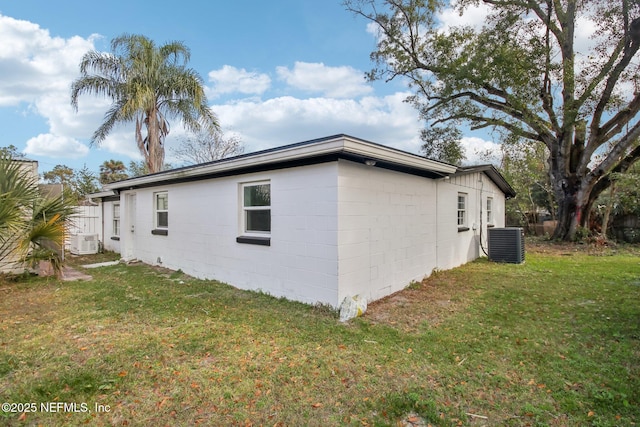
506, 245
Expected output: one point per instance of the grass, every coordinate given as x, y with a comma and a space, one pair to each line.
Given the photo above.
555, 341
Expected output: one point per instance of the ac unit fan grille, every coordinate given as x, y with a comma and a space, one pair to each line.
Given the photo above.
506, 245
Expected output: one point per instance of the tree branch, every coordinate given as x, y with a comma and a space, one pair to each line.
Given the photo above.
618, 150
605, 181
630, 49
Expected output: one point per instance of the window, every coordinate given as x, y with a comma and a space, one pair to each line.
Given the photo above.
256, 208
462, 210
116, 219
489, 210
161, 210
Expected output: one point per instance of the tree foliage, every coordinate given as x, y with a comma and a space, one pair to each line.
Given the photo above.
148, 84
60, 174
76, 184
523, 73
85, 182
139, 168
11, 151
443, 144
112, 171
203, 147
524, 166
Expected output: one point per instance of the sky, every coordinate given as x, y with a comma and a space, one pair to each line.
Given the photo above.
276, 72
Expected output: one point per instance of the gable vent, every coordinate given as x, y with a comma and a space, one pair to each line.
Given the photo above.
506, 245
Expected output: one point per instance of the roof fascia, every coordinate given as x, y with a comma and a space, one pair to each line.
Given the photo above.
340, 144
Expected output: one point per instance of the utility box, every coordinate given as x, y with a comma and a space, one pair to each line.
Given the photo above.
83, 244
506, 245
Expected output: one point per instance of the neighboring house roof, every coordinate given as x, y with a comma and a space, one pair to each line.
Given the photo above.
51, 191
493, 174
315, 151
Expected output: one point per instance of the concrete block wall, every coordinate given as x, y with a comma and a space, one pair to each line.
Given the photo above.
459, 247
107, 218
386, 230
205, 218
338, 229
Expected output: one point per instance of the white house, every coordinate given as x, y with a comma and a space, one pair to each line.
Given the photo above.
315, 221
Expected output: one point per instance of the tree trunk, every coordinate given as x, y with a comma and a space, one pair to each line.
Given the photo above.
607, 211
574, 204
153, 137
566, 228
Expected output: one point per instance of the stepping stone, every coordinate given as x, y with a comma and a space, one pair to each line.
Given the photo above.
70, 275
101, 264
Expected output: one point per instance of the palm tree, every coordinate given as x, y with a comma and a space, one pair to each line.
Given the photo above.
112, 170
147, 84
32, 227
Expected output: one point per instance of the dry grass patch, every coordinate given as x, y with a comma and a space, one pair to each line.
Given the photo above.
555, 341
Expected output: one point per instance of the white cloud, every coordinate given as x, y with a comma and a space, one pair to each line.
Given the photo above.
480, 151
32, 63
585, 32
374, 30
38, 69
284, 120
230, 79
474, 16
332, 82
55, 146
121, 141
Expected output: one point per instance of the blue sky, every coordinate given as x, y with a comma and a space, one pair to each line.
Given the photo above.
276, 73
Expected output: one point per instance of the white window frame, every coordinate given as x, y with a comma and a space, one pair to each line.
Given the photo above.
489, 210
462, 210
116, 220
246, 209
156, 211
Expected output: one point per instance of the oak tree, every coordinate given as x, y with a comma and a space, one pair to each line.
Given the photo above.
523, 73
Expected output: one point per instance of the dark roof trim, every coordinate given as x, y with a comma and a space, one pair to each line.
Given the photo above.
284, 148
261, 167
316, 151
493, 175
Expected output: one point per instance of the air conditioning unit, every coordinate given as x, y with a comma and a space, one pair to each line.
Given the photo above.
84, 244
506, 245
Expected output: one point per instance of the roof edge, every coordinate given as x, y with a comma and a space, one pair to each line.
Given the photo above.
331, 145
493, 174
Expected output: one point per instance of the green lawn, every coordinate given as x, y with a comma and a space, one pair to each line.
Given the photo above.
555, 341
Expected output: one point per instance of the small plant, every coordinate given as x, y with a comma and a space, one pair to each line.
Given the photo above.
582, 233
45, 255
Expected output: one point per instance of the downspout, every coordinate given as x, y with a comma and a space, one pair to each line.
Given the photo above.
437, 225
481, 188
64, 231
102, 222
445, 179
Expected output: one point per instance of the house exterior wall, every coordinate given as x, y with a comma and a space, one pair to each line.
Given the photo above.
386, 230
457, 246
205, 218
110, 241
338, 229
